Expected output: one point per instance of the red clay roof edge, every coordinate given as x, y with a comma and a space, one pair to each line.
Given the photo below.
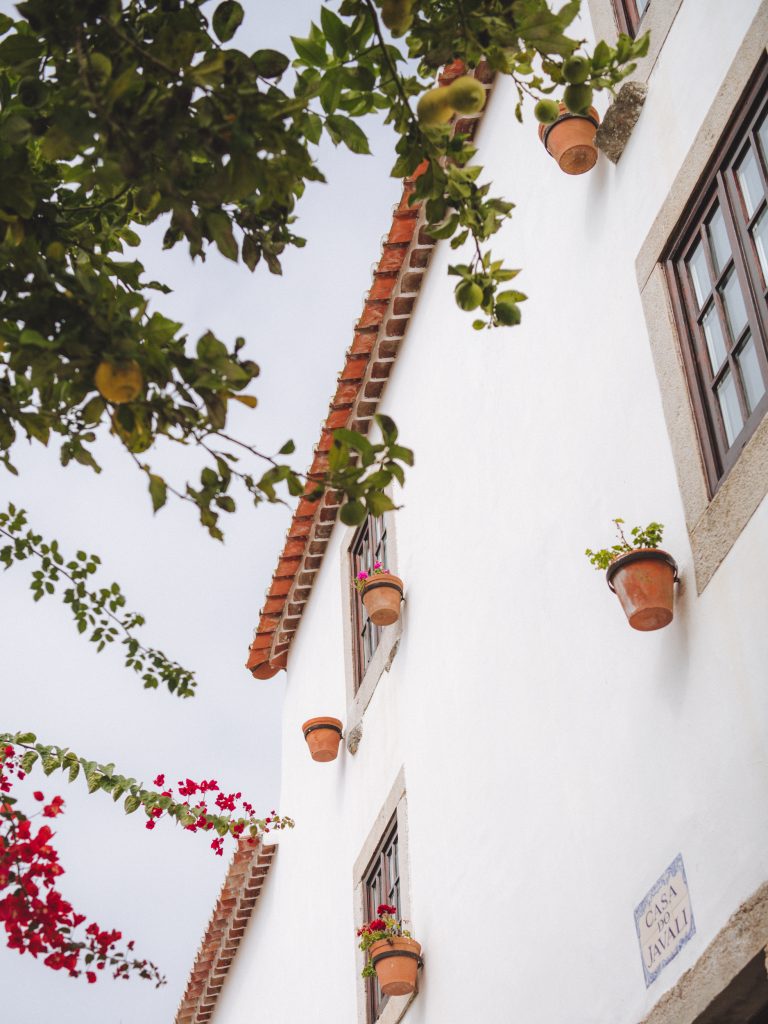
378, 335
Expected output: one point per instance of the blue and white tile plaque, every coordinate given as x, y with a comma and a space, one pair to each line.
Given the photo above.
664, 920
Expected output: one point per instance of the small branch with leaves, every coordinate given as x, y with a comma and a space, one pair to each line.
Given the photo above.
97, 612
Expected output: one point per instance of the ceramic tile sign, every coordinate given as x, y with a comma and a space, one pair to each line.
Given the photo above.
664, 920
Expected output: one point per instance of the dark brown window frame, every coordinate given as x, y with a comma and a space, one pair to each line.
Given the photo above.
363, 553
380, 867
628, 17
719, 187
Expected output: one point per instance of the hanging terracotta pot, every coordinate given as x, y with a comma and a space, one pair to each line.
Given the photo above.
571, 140
644, 581
323, 736
382, 594
396, 962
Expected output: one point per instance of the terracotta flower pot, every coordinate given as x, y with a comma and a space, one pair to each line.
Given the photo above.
644, 582
396, 962
323, 736
571, 140
382, 595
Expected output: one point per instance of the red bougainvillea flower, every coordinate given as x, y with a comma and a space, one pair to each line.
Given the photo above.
34, 915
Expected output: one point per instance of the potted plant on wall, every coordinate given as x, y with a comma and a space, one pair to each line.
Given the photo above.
640, 574
391, 954
382, 593
323, 736
568, 129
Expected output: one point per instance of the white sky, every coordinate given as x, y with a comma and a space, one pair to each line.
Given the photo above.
201, 598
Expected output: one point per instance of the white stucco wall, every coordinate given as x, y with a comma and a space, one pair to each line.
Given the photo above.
556, 761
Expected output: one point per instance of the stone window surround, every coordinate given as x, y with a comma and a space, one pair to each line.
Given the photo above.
394, 805
714, 524
358, 701
658, 19
743, 937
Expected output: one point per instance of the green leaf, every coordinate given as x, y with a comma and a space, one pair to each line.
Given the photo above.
221, 231
343, 129
352, 513
270, 63
158, 490
335, 30
19, 49
131, 804
378, 503
227, 19
310, 52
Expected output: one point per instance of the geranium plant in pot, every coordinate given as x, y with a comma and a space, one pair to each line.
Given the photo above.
641, 574
323, 736
390, 953
382, 593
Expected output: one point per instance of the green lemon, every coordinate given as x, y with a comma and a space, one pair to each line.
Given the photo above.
466, 95
507, 311
469, 295
547, 111
578, 98
31, 92
576, 70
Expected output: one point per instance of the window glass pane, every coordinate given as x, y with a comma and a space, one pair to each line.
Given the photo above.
750, 182
729, 407
718, 238
751, 376
697, 266
733, 301
642, 6
713, 332
760, 235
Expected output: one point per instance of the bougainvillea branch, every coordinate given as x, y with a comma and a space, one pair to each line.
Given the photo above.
98, 612
191, 813
36, 918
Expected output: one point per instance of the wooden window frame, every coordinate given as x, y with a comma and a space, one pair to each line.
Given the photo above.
362, 679
628, 17
392, 817
363, 552
720, 187
380, 866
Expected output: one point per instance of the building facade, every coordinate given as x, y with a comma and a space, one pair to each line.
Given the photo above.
535, 783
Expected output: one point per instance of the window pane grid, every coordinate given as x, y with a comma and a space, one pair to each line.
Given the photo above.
369, 546
718, 269
382, 885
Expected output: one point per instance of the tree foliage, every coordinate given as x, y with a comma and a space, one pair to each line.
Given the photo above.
117, 113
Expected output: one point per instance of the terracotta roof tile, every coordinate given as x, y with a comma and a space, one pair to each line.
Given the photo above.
384, 320
226, 927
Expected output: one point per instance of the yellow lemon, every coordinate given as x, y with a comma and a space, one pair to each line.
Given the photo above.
119, 384
434, 108
397, 16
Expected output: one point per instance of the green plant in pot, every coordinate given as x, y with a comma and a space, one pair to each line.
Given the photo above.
640, 573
